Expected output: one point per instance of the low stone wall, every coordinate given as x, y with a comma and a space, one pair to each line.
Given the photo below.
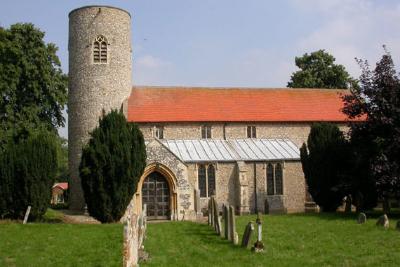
134, 234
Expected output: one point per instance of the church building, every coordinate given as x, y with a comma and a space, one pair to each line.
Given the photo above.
240, 145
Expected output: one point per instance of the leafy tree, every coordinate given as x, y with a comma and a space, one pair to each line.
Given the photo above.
27, 173
32, 86
112, 163
318, 70
324, 162
377, 102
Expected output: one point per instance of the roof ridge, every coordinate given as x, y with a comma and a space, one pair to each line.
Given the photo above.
180, 87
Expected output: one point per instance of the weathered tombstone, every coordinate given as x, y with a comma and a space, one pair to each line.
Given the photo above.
217, 225
226, 222
235, 238
232, 223
248, 231
197, 201
347, 207
362, 218
383, 221
212, 211
28, 210
221, 233
258, 245
266, 205
209, 212
398, 225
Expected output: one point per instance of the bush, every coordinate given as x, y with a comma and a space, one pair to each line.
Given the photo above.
325, 162
112, 163
27, 172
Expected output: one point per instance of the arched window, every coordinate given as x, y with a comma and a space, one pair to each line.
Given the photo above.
202, 180
278, 179
100, 49
211, 180
270, 180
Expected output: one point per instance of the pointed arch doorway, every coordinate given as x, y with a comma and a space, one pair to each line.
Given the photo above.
164, 200
156, 195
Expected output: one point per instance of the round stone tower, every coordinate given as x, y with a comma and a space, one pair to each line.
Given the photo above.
100, 69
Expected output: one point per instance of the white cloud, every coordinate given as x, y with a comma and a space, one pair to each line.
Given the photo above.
151, 70
352, 28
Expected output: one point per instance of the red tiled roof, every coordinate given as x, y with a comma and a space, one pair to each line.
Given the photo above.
63, 186
198, 104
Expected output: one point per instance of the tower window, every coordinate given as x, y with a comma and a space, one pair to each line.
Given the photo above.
100, 50
251, 132
206, 132
206, 180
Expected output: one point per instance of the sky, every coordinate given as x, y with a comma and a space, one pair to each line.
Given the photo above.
246, 43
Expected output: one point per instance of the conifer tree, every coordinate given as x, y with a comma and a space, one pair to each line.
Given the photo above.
27, 172
324, 162
112, 163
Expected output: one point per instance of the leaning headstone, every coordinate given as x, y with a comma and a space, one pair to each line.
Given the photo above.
248, 231
232, 223
383, 221
362, 218
226, 222
398, 225
28, 210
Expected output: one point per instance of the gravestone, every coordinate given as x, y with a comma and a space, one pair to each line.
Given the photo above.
232, 223
217, 226
349, 201
209, 212
248, 231
212, 212
28, 210
226, 222
398, 225
383, 221
197, 201
266, 205
362, 218
221, 233
235, 238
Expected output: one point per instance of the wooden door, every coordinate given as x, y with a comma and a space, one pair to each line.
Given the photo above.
156, 195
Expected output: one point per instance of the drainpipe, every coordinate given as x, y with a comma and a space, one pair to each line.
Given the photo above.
255, 186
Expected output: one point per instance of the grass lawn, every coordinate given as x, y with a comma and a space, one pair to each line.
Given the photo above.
56, 244
291, 240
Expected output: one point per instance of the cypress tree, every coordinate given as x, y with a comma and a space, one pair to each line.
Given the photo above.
325, 161
27, 174
112, 163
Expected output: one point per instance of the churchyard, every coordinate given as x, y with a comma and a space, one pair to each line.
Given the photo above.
325, 239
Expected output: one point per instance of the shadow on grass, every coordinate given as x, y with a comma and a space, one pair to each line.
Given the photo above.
205, 234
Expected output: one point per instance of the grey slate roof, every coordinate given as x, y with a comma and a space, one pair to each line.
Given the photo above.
209, 150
